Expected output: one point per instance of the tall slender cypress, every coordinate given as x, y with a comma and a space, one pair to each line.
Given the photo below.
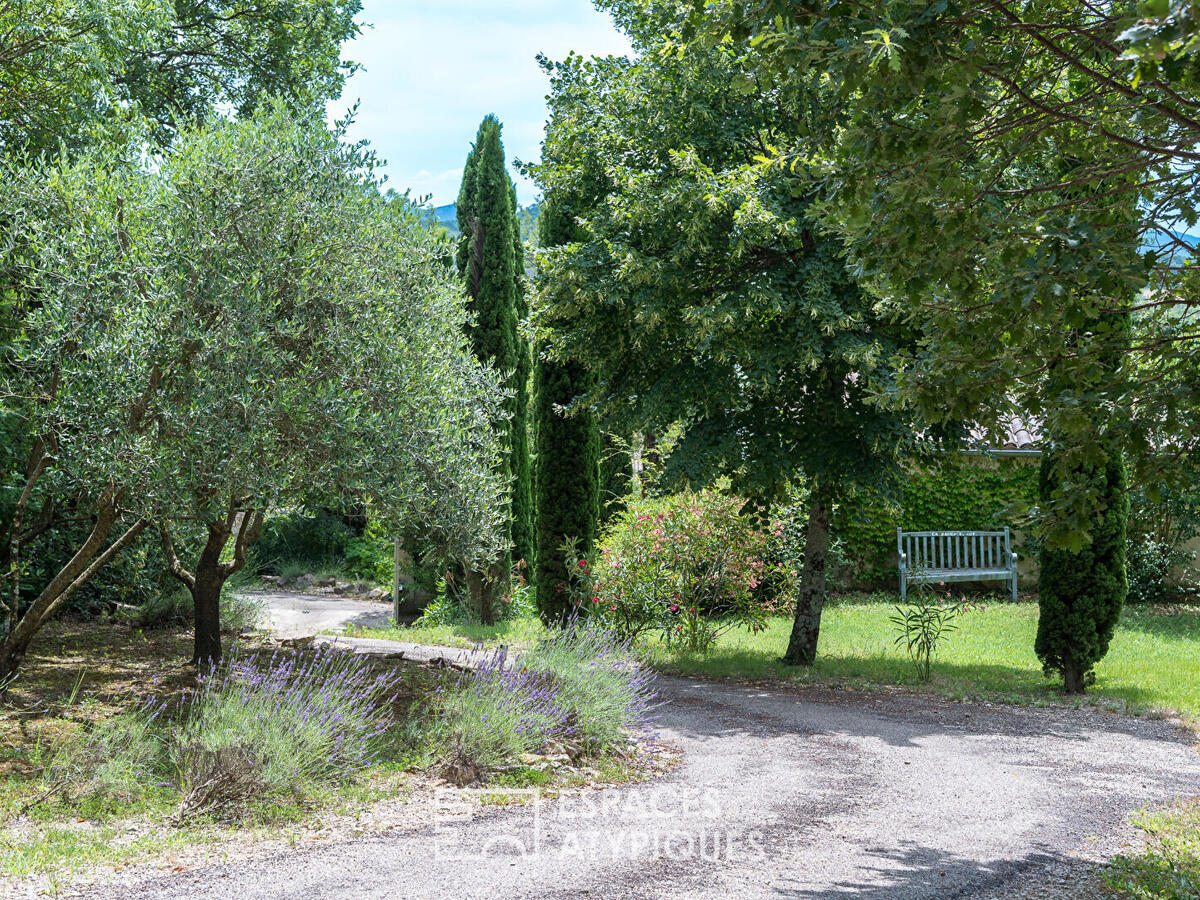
491, 263
566, 459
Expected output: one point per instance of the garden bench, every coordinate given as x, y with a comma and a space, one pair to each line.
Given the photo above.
930, 557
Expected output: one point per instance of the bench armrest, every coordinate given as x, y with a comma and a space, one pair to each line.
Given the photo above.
903, 561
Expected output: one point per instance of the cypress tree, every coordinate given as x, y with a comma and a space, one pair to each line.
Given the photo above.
1081, 594
523, 515
491, 263
566, 459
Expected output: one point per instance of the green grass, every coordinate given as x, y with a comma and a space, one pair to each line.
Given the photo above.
1169, 867
517, 634
1152, 664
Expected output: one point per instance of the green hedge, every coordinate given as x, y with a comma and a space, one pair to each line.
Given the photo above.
973, 493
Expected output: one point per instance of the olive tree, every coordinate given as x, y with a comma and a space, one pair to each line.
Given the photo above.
248, 323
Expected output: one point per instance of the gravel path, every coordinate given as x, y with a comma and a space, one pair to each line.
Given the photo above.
291, 614
783, 794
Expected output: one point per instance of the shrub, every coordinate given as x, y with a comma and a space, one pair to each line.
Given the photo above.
314, 541
173, 606
117, 761
488, 718
1080, 594
260, 728
687, 565
600, 681
282, 725
450, 608
582, 687
1148, 566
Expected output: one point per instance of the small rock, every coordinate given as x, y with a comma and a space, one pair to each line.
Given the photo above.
343, 587
376, 594
324, 581
272, 579
306, 581
532, 759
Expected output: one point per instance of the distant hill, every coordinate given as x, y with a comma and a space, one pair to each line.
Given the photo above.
447, 217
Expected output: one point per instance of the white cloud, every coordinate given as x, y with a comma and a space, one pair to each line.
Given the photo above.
434, 69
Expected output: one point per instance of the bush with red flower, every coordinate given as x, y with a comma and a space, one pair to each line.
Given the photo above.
685, 567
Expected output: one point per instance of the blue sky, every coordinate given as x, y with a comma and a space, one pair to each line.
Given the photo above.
434, 69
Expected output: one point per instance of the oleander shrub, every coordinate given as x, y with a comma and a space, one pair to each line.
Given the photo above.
685, 566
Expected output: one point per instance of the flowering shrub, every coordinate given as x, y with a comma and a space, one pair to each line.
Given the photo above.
600, 680
582, 688
297, 720
489, 717
686, 565
257, 728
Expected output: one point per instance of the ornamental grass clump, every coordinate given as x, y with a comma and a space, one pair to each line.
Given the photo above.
281, 725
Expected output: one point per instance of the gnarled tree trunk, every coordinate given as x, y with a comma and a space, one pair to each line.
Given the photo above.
79, 569
209, 576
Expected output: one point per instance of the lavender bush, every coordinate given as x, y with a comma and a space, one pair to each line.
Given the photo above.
295, 721
600, 680
260, 727
582, 687
489, 717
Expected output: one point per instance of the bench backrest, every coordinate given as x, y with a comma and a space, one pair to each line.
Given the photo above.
954, 550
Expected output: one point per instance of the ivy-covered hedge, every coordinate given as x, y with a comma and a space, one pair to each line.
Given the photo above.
974, 493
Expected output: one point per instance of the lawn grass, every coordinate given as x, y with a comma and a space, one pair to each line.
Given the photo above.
516, 634
1153, 663
1169, 867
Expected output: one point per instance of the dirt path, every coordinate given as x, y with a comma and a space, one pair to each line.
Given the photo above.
785, 794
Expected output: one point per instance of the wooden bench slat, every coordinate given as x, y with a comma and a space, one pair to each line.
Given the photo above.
929, 556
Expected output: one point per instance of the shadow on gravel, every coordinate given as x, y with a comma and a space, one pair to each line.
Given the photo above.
708, 710
913, 872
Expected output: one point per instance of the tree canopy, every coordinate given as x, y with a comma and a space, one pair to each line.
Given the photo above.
699, 291
247, 325
73, 72
1015, 177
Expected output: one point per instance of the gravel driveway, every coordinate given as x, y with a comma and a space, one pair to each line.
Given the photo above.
781, 794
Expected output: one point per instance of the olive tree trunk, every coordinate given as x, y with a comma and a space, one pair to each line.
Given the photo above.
78, 571
806, 629
206, 579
